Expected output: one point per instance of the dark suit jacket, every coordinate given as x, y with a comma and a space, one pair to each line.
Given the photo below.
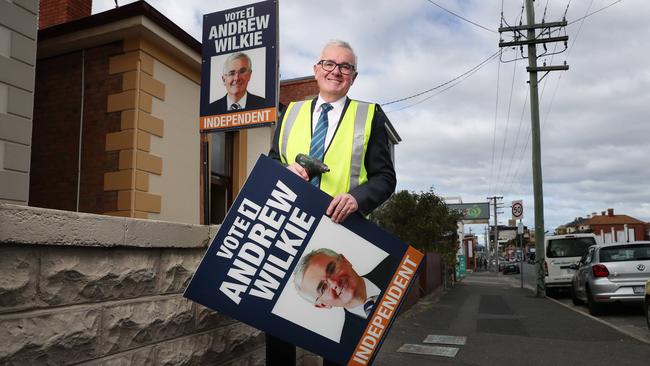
381, 275
378, 162
252, 102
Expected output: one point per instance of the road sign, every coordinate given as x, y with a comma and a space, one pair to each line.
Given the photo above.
517, 209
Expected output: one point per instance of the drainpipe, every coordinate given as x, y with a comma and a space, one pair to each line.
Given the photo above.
81, 123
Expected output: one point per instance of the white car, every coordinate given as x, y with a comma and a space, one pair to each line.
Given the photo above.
561, 251
646, 303
611, 273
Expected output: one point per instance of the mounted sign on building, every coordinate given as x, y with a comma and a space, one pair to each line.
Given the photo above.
239, 72
473, 213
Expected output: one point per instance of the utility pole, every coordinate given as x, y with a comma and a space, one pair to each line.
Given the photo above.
531, 40
496, 230
487, 247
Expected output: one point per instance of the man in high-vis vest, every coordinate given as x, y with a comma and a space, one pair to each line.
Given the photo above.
349, 136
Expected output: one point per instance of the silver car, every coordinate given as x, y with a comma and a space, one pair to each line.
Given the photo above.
611, 273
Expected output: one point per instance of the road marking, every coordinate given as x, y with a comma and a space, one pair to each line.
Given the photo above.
445, 339
419, 349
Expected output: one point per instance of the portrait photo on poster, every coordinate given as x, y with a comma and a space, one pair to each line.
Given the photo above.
335, 283
235, 74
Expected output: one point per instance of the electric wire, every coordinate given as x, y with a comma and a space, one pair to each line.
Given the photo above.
528, 134
494, 133
496, 184
481, 64
550, 105
458, 81
505, 134
496, 105
597, 11
516, 144
465, 19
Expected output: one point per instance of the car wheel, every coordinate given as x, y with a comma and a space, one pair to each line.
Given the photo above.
574, 297
595, 308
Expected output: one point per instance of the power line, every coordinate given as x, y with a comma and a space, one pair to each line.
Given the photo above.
597, 11
550, 105
440, 92
505, 134
465, 19
494, 134
516, 144
496, 110
473, 69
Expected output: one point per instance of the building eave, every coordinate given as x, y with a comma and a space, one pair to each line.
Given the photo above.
137, 19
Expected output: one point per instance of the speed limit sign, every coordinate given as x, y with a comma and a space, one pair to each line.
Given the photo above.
518, 209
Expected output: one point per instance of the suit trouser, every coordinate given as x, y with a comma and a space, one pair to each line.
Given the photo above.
281, 353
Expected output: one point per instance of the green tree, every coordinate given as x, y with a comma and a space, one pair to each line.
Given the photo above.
423, 221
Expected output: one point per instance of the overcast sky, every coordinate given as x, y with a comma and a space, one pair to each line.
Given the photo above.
473, 139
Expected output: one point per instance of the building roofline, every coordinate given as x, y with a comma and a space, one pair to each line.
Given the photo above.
613, 220
138, 8
303, 79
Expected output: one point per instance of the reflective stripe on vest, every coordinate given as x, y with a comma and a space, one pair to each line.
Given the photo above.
346, 152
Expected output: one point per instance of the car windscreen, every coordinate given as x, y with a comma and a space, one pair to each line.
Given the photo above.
625, 253
568, 247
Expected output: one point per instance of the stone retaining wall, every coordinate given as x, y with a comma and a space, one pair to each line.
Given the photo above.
99, 290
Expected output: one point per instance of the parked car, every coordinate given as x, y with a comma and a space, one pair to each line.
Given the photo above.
611, 273
646, 303
561, 251
511, 267
531, 258
502, 265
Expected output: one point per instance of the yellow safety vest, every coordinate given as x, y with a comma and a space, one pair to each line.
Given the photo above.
345, 155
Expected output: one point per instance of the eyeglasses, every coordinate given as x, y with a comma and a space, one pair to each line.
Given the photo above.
240, 72
329, 65
323, 285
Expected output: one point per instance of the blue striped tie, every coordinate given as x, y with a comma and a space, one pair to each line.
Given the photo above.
367, 307
317, 147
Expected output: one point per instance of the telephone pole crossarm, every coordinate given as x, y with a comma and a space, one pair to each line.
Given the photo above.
533, 26
531, 39
534, 41
547, 68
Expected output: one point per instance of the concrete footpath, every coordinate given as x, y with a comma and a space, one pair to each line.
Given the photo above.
503, 324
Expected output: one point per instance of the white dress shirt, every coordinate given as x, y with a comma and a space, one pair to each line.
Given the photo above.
241, 102
333, 117
371, 290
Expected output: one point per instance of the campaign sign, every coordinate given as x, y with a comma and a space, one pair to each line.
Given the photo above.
279, 264
239, 69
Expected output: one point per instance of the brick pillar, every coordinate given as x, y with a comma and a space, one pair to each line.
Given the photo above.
53, 12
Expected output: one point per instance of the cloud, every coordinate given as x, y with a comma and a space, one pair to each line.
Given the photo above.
594, 117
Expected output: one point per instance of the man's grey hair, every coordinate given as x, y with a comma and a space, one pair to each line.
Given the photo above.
234, 56
301, 268
344, 44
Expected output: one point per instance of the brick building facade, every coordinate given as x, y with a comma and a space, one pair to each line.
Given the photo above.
53, 12
117, 94
58, 131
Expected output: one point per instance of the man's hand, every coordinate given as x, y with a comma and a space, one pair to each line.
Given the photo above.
341, 207
298, 170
